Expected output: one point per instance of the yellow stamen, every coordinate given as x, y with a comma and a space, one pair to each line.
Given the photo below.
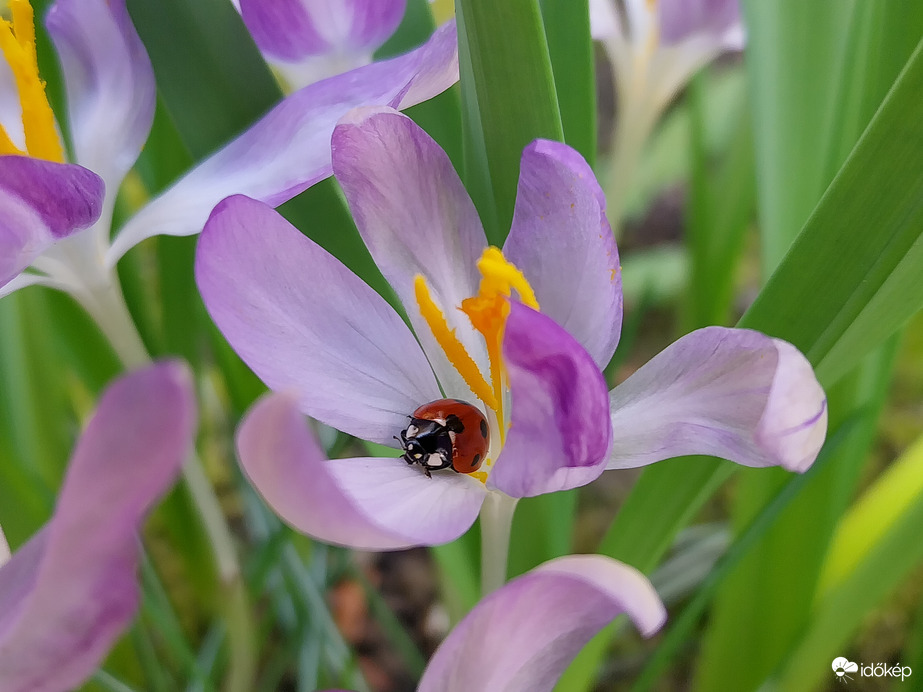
489, 309
454, 349
480, 475
17, 43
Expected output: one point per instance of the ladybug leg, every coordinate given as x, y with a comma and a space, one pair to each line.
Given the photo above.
426, 471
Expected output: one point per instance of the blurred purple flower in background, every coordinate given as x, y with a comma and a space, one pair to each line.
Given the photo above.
70, 591
522, 637
111, 98
309, 40
525, 341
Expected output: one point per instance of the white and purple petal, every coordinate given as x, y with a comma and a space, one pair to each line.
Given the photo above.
562, 242
291, 30
69, 592
288, 149
41, 202
521, 637
304, 322
416, 218
730, 393
559, 420
110, 84
363, 503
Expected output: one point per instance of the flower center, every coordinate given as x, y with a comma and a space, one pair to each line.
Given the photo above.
17, 43
488, 311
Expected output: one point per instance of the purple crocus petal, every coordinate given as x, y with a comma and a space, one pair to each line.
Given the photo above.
291, 30
730, 393
416, 219
288, 149
365, 503
10, 107
40, 203
682, 19
71, 590
521, 637
302, 321
562, 242
110, 84
559, 424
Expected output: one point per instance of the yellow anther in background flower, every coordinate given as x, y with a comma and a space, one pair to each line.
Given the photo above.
454, 349
17, 43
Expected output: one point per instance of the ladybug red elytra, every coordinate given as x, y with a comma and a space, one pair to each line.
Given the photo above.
447, 433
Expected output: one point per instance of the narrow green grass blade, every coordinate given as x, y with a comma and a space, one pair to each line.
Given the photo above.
795, 56
752, 593
508, 99
543, 529
567, 27
876, 569
835, 266
209, 72
721, 202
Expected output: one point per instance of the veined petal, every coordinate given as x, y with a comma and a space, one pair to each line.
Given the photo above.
522, 637
291, 30
365, 503
302, 321
559, 425
288, 149
562, 242
40, 203
730, 393
416, 219
70, 591
110, 84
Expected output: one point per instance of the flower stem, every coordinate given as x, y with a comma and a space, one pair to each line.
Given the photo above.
496, 522
106, 305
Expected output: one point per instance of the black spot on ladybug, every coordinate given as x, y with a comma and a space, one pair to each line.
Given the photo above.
454, 424
476, 460
484, 429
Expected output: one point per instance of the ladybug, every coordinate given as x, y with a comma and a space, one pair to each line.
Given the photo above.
446, 433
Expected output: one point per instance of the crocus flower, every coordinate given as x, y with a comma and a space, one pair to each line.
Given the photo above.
655, 47
525, 342
507, 644
69, 592
309, 40
111, 96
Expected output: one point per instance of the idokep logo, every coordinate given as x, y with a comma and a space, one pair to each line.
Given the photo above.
842, 667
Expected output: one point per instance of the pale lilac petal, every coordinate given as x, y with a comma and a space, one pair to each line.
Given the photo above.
302, 321
40, 203
10, 108
110, 84
291, 30
559, 431
4, 549
365, 503
682, 19
71, 590
562, 242
522, 637
288, 149
416, 219
730, 393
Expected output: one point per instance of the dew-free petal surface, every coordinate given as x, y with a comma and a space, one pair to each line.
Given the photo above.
730, 393
559, 424
561, 240
364, 503
110, 84
288, 150
69, 592
415, 217
304, 322
521, 637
